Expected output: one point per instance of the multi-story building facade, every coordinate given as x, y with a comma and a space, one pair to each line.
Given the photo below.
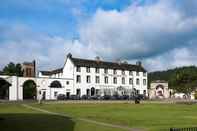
97, 77
80, 77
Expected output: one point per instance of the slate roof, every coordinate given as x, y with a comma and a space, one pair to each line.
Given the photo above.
108, 65
48, 73
97, 64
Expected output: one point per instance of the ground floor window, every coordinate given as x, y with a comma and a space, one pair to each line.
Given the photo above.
92, 91
55, 94
78, 92
88, 92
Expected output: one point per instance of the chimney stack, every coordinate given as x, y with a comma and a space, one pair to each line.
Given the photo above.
69, 55
139, 63
98, 59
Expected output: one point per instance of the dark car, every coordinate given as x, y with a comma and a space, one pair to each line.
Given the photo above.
61, 97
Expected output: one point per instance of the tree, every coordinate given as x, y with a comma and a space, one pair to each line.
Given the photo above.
13, 69
184, 81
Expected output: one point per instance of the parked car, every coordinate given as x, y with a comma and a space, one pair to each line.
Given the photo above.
74, 97
61, 97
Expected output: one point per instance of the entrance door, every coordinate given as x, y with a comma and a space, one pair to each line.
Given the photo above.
67, 95
44, 95
92, 91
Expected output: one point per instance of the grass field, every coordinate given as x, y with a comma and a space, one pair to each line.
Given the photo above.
150, 117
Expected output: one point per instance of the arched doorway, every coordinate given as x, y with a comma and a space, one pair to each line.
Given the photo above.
54, 92
160, 91
29, 90
4, 89
56, 84
92, 91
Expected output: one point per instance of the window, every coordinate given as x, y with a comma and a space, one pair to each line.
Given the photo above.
144, 81
123, 80
144, 92
78, 79
78, 69
115, 80
105, 71
137, 81
55, 94
56, 84
97, 92
144, 73
130, 73
123, 72
88, 79
67, 83
88, 69
97, 79
78, 92
115, 71
97, 70
137, 73
130, 81
106, 79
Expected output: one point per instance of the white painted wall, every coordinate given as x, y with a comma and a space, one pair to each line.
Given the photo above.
69, 75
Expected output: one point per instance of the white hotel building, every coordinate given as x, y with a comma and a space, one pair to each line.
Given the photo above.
84, 77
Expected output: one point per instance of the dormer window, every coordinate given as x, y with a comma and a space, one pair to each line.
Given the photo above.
78, 69
130, 73
144, 73
115, 71
97, 70
105, 71
88, 69
123, 72
137, 73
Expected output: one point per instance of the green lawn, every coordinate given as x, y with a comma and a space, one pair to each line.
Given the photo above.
152, 117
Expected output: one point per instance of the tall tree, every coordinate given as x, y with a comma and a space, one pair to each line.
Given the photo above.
13, 69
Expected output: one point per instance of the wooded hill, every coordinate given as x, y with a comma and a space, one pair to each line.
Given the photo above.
182, 79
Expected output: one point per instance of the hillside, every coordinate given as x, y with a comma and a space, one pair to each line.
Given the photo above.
178, 78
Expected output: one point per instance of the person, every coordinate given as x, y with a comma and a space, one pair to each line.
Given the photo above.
137, 99
40, 97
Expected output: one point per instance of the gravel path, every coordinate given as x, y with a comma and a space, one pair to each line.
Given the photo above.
84, 119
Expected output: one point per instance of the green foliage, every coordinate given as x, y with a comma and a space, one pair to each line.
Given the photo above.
4, 88
195, 95
13, 69
182, 79
29, 90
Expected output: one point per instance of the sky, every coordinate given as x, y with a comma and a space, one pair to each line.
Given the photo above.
160, 33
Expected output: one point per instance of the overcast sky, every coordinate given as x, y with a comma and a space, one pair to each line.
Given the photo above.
160, 33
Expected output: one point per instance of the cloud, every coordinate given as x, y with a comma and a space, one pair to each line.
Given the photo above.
162, 34
140, 31
177, 57
19, 43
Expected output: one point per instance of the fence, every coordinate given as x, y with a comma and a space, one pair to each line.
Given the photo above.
184, 129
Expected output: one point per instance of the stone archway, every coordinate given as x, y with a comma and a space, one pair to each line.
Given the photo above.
55, 84
4, 89
160, 91
29, 90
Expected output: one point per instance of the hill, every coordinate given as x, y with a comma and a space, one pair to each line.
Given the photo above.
182, 79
